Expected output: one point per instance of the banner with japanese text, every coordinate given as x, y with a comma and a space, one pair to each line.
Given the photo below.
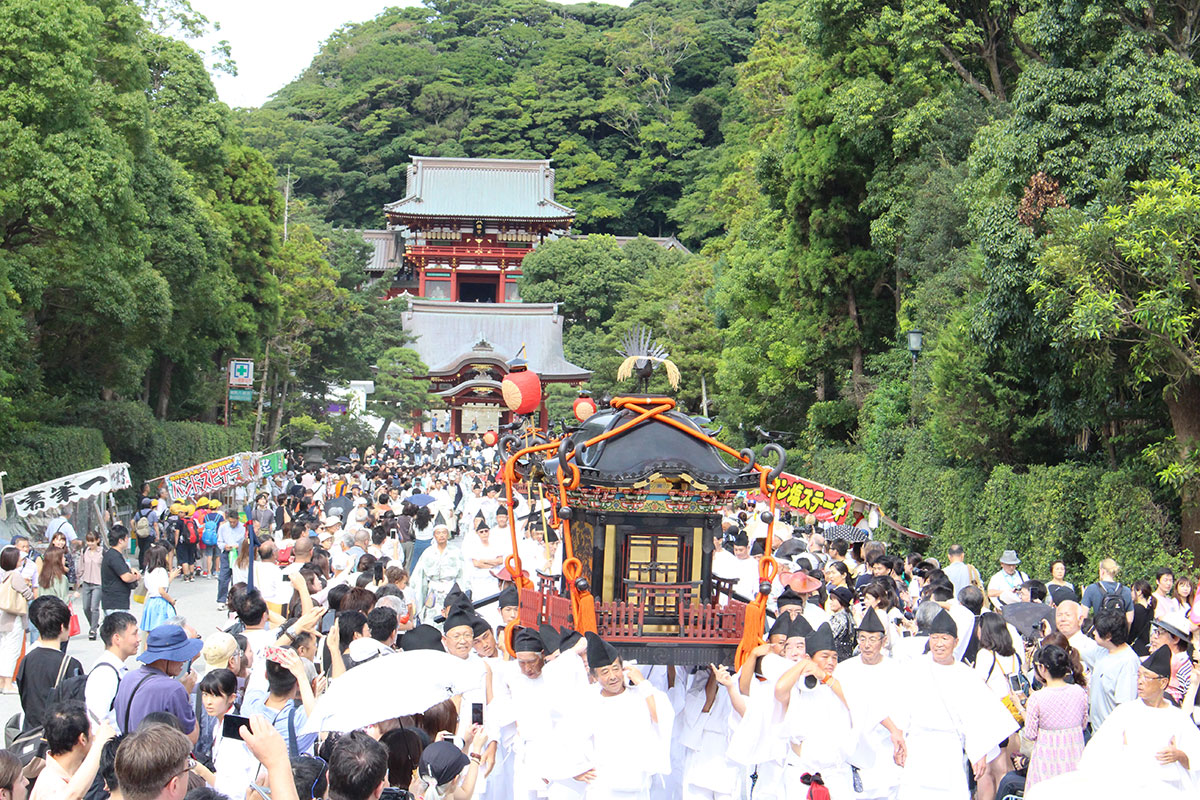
54, 494
213, 476
272, 464
802, 496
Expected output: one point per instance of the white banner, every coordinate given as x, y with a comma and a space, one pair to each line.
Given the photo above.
62, 491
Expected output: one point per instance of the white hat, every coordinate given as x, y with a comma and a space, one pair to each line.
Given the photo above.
324, 535
360, 501
330, 520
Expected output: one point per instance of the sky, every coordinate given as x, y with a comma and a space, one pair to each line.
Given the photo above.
274, 40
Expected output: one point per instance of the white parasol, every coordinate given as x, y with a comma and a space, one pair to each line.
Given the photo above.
393, 686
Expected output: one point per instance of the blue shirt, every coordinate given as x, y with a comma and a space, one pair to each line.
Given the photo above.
279, 720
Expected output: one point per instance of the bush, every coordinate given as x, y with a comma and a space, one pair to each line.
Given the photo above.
301, 427
346, 431
177, 445
48, 452
1078, 513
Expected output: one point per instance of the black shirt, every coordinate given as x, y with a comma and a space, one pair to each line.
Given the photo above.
114, 592
36, 677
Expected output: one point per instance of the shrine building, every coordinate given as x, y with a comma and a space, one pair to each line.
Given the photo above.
468, 346
468, 222
456, 240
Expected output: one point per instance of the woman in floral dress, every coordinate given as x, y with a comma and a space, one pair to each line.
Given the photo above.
1055, 717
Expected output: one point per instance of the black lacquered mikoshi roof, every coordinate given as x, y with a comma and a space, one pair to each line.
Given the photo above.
650, 447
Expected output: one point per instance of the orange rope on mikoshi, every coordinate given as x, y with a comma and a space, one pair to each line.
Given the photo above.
513, 562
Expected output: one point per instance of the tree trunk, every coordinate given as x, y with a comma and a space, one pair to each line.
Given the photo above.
164, 388
857, 369
382, 432
262, 390
277, 417
1183, 404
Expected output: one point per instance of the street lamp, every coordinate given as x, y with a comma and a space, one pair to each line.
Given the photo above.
915, 340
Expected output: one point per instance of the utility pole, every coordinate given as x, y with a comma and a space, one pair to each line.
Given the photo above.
287, 196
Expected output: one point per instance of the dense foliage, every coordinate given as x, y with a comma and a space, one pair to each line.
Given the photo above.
142, 245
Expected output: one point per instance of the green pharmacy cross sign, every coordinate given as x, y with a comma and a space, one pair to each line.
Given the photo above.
241, 372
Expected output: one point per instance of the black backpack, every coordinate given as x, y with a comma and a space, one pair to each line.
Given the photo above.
1111, 601
75, 688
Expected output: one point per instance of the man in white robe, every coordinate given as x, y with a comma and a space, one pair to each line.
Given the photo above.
627, 723
759, 740
948, 710
708, 773
534, 714
743, 569
817, 720
872, 683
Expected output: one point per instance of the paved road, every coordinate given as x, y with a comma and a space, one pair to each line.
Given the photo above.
197, 601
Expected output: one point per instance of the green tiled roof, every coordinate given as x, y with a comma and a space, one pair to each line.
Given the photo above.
479, 188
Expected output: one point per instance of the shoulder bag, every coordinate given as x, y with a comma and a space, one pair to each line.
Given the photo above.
12, 601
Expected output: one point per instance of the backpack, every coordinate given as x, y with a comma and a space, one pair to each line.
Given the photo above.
141, 525
74, 688
1111, 601
211, 522
31, 742
189, 526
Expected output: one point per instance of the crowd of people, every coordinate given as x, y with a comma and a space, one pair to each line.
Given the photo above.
348, 594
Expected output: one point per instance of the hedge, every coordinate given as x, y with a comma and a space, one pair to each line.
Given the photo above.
175, 445
1079, 513
48, 452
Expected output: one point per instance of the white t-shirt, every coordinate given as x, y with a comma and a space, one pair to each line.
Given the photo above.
157, 581
268, 579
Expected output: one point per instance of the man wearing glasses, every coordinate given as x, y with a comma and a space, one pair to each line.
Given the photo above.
871, 682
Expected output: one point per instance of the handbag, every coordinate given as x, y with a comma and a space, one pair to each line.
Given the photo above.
12, 601
74, 629
139, 592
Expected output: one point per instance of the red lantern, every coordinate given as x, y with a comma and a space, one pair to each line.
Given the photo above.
490, 438
583, 407
522, 391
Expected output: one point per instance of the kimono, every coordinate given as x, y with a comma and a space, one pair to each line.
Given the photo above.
948, 710
432, 578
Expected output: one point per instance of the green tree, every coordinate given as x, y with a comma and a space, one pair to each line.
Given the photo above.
400, 388
1120, 292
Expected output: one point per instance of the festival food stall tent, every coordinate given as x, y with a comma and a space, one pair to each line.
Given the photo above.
216, 478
